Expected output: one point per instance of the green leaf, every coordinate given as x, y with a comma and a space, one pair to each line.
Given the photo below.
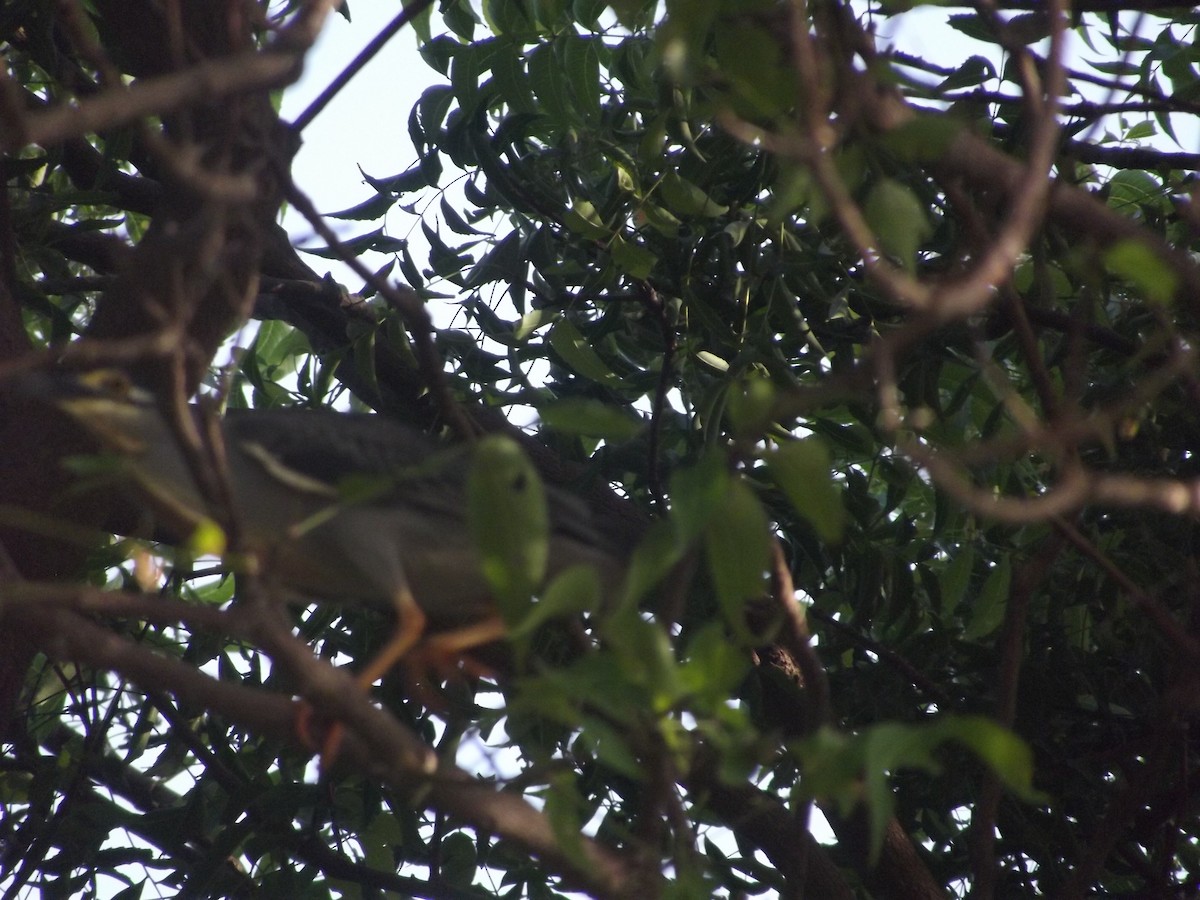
659, 219
632, 13
510, 18
564, 805
374, 240
578, 354
633, 259
408, 180
592, 418
802, 470
581, 65
1130, 189
610, 746
737, 541
750, 56
687, 199
715, 665
509, 78
647, 660
659, 550
833, 764
373, 208
897, 216
509, 522
420, 22
1001, 750
460, 19
973, 26
551, 87
573, 591
1141, 130
956, 578
696, 494
582, 219
1134, 261
531, 322
750, 405
987, 611
836, 764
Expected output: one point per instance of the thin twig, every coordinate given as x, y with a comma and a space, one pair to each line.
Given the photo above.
405, 16
1162, 618
406, 303
983, 819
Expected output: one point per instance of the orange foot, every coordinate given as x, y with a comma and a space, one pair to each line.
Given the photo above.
442, 656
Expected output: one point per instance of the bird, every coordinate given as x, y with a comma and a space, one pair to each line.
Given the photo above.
355, 508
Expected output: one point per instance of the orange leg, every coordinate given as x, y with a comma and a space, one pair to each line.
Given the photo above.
439, 654
442, 652
411, 625
408, 633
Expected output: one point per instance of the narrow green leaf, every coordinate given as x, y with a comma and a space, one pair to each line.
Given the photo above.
688, 199
1005, 753
696, 494
737, 540
374, 208
592, 418
509, 78
956, 578
987, 611
551, 87
633, 259
408, 180
802, 469
1135, 262
531, 322
578, 354
509, 522
374, 240
582, 219
655, 555
581, 65
898, 218
658, 219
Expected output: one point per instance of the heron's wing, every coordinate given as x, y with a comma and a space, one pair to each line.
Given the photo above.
374, 460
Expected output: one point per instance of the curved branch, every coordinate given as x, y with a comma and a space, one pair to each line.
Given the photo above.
382, 748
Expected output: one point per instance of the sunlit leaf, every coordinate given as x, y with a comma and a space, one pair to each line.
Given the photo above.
589, 417
898, 219
1134, 261
737, 543
986, 611
509, 522
802, 469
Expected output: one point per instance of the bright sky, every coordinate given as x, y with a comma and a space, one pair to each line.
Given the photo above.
365, 126
367, 123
